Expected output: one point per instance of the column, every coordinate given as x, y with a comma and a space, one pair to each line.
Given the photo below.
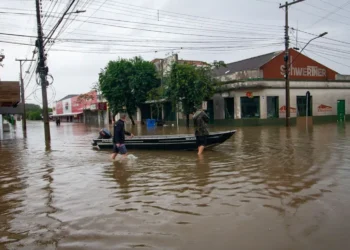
237, 108
138, 115
263, 107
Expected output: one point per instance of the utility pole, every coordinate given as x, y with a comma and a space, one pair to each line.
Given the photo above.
286, 59
23, 99
42, 70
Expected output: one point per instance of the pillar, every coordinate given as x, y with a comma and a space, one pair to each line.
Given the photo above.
138, 115
263, 107
237, 107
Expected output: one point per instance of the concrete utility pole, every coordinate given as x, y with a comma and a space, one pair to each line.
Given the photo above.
42, 70
23, 99
286, 60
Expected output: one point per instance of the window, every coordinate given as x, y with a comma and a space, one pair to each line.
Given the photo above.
250, 107
272, 107
301, 106
229, 108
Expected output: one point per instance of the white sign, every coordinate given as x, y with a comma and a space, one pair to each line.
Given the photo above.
311, 71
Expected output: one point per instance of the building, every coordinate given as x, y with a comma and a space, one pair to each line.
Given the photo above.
254, 91
164, 111
164, 65
87, 108
10, 97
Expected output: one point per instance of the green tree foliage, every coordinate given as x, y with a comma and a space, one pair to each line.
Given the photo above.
33, 112
191, 85
126, 83
156, 95
34, 115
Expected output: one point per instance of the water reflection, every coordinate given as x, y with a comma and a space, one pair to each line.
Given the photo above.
265, 182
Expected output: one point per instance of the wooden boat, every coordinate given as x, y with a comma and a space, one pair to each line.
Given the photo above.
166, 142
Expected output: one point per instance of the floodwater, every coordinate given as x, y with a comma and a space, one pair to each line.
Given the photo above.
266, 188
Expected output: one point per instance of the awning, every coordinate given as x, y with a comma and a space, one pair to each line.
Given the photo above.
68, 114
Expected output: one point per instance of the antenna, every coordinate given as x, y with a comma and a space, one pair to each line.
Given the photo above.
297, 34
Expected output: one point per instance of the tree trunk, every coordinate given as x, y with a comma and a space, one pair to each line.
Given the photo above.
132, 119
187, 120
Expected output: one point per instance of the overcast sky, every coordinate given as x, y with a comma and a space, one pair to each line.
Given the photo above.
227, 30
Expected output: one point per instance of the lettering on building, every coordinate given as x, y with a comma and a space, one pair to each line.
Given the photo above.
308, 71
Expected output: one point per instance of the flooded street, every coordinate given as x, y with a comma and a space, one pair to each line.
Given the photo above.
265, 188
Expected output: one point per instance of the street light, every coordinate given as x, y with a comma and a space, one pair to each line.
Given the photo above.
319, 36
287, 77
76, 12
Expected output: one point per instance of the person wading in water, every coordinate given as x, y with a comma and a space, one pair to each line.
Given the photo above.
119, 137
200, 120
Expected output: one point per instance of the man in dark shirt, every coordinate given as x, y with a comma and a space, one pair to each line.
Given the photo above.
201, 119
119, 137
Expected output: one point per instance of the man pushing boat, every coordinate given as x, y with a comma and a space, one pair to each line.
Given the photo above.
200, 120
119, 137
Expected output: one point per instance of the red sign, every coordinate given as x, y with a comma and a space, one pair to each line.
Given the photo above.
249, 94
324, 108
283, 109
102, 106
301, 68
79, 104
59, 108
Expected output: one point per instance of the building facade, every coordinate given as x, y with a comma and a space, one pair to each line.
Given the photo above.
254, 91
87, 108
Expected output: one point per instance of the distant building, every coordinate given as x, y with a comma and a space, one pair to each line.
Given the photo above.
255, 89
166, 111
75, 108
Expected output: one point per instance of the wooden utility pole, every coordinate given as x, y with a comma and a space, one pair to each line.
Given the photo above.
286, 60
23, 99
42, 70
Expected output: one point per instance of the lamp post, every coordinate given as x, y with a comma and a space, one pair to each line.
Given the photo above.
287, 77
319, 36
76, 12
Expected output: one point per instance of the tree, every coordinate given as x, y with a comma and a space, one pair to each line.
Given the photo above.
33, 112
85, 98
191, 85
156, 95
125, 84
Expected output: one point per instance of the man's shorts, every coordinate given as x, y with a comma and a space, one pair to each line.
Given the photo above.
201, 140
121, 150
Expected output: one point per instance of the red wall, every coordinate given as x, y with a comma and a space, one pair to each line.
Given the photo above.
79, 107
303, 68
59, 108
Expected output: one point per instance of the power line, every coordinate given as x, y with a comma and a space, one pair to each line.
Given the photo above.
313, 14
204, 19
51, 33
330, 13
327, 38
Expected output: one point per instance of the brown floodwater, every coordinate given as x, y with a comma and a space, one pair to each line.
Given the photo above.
265, 188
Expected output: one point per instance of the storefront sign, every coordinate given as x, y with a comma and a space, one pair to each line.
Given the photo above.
324, 108
292, 110
93, 107
9, 93
102, 106
311, 71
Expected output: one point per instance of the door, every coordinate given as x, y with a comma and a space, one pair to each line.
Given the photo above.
210, 111
341, 110
302, 106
